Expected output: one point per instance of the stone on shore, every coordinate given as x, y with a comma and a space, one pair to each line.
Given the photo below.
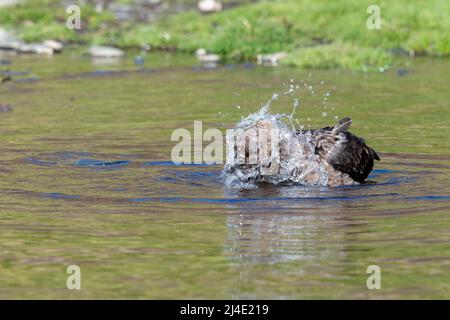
200, 52
55, 45
209, 61
8, 40
37, 48
205, 57
209, 58
209, 6
105, 52
8, 3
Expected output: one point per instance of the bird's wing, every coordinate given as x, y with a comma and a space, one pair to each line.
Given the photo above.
354, 157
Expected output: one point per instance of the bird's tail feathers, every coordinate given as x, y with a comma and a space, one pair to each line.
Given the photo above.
343, 125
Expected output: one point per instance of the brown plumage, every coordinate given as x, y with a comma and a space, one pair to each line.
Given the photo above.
345, 151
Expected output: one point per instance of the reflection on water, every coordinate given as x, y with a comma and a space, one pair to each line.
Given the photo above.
86, 179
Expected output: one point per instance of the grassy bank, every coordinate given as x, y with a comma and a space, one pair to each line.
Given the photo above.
315, 33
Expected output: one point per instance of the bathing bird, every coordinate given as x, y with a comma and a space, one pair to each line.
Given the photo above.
305, 156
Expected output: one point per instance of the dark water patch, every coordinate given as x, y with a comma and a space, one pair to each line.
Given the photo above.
4, 62
69, 155
426, 198
169, 180
56, 158
25, 80
40, 162
98, 73
195, 179
380, 171
57, 195
100, 163
9, 73
402, 72
388, 181
194, 175
79, 159
118, 73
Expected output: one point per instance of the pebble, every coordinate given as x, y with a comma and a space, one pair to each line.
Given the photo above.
209, 6
8, 40
55, 45
207, 60
37, 48
105, 52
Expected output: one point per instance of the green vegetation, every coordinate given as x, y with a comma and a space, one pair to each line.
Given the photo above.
39, 20
338, 55
315, 33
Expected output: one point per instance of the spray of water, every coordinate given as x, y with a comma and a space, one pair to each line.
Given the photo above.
297, 161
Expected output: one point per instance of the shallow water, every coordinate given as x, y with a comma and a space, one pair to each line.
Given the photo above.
86, 179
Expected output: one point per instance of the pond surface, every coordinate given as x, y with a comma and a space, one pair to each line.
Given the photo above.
86, 178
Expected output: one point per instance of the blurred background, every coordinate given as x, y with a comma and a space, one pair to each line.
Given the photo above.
307, 33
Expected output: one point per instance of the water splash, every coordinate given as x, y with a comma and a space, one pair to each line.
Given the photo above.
297, 161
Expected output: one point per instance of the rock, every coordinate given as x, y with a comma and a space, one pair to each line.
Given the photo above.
204, 57
209, 61
37, 48
55, 45
209, 58
5, 107
105, 52
200, 52
209, 6
8, 3
8, 40
271, 59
